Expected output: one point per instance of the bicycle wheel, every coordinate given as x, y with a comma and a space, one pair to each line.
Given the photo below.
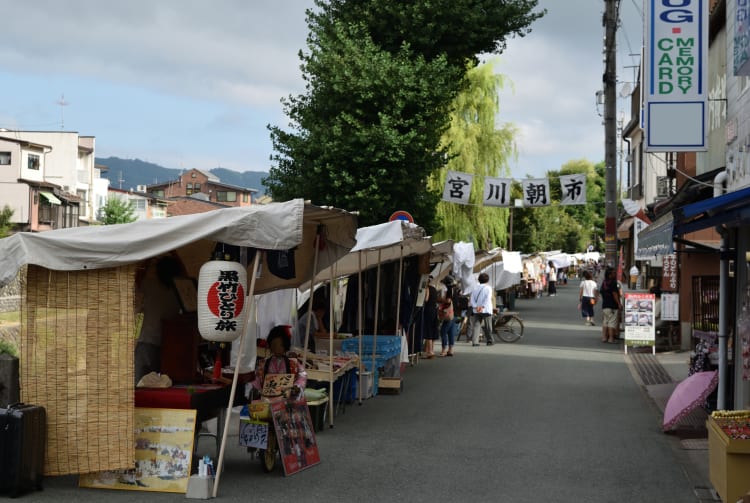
268, 455
511, 330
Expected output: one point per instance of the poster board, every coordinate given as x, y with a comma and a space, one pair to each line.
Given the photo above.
638, 318
295, 434
163, 454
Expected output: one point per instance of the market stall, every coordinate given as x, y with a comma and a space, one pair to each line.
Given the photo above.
79, 318
376, 245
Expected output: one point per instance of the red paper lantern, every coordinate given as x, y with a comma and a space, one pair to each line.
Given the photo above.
222, 291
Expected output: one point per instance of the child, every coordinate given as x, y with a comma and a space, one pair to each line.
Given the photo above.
279, 342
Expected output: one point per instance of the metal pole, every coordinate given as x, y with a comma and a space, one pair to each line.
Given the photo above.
610, 132
251, 299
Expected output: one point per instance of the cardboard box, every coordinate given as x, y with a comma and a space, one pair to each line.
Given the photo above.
729, 463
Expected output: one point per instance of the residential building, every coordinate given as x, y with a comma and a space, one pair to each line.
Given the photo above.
49, 179
145, 206
197, 182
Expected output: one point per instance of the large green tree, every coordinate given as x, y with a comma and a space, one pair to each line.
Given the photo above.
381, 77
475, 145
568, 228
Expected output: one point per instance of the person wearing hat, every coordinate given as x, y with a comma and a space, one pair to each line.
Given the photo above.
279, 342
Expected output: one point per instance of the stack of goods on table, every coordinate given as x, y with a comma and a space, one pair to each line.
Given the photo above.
387, 355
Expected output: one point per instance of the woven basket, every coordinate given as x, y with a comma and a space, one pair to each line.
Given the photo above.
77, 346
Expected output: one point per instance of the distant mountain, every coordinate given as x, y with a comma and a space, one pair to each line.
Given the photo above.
127, 174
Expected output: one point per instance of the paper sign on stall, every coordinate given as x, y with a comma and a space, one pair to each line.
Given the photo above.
639, 320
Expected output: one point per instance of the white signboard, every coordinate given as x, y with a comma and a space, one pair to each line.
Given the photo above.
676, 76
638, 318
670, 306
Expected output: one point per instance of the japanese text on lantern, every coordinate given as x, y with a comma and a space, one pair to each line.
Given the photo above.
227, 290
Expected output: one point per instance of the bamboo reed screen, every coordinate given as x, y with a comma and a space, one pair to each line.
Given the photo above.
77, 344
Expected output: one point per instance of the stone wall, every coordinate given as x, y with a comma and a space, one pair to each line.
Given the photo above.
10, 294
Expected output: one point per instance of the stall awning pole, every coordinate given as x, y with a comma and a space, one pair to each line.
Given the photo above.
310, 299
375, 331
330, 343
235, 377
359, 320
398, 294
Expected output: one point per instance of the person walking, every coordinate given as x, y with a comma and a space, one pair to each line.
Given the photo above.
446, 314
611, 304
551, 279
588, 295
481, 310
430, 320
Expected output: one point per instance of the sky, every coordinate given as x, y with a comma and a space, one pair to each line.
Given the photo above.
194, 84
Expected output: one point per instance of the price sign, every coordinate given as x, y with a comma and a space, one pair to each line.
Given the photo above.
253, 433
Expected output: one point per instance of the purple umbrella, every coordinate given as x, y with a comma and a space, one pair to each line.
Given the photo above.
688, 395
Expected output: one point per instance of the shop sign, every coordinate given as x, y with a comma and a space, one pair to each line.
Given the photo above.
638, 318
669, 272
742, 38
676, 76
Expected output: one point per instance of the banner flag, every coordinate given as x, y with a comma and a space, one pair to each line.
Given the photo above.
457, 187
497, 191
573, 189
535, 192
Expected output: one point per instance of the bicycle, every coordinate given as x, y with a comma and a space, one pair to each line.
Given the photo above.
507, 325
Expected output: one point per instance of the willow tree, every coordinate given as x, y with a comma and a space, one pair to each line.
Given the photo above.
476, 145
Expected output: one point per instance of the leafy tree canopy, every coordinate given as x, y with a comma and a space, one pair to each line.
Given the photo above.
117, 211
568, 228
476, 146
381, 78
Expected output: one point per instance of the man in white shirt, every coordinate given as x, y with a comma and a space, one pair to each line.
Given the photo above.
481, 305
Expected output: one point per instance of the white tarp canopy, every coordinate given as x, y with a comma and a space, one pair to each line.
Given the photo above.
559, 259
275, 226
506, 273
381, 243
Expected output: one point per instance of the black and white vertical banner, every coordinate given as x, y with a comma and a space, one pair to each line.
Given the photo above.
497, 191
457, 187
573, 189
535, 192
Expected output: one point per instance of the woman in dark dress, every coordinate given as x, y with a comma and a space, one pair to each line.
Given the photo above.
430, 320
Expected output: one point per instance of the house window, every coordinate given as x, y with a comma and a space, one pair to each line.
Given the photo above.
4, 158
158, 193
245, 197
189, 189
197, 187
33, 162
224, 196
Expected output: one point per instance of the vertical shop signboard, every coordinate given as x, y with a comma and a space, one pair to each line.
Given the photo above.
669, 273
639, 320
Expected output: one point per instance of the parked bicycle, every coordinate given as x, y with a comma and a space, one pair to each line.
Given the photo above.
507, 325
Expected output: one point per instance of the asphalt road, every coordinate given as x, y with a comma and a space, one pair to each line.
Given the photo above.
556, 417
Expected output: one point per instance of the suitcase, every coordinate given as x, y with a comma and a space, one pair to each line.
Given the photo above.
23, 436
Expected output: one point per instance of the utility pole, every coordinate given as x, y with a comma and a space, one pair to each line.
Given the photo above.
610, 132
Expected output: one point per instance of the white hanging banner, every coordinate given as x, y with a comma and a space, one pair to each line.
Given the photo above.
573, 189
497, 191
457, 187
535, 192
